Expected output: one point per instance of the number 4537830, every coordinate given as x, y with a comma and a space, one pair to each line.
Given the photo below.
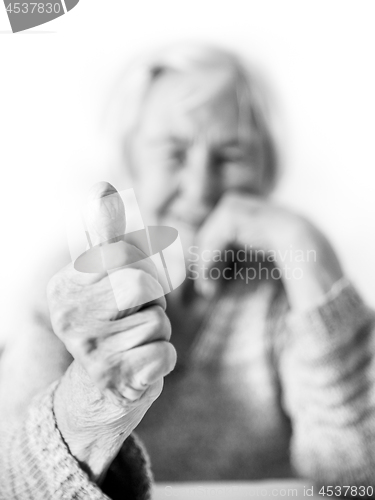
31, 8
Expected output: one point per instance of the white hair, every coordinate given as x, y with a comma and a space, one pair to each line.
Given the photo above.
133, 87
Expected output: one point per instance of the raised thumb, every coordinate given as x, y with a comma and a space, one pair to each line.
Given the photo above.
104, 215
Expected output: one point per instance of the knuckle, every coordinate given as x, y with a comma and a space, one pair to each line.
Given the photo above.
159, 322
172, 357
128, 375
130, 395
132, 380
154, 391
156, 315
168, 357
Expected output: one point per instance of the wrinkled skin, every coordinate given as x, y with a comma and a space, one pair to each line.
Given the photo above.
120, 356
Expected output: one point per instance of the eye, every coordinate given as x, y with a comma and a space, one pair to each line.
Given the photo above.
240, 156
221, 159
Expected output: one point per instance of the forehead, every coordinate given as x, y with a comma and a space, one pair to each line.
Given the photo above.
203, 104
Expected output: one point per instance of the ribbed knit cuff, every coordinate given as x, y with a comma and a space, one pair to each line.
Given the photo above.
35, 462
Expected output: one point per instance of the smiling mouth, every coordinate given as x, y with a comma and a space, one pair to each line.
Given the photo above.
188, 216
190, 221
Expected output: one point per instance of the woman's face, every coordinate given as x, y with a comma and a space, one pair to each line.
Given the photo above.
192, 146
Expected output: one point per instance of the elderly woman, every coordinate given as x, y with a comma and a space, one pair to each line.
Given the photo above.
275, 366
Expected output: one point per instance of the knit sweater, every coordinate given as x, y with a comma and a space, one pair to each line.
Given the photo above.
35, 462
246, 402
266, 393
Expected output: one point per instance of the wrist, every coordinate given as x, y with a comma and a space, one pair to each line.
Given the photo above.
93, 428
310, 269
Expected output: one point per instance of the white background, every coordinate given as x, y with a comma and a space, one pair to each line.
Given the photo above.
317, 55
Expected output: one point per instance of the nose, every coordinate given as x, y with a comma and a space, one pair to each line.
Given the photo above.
200, 183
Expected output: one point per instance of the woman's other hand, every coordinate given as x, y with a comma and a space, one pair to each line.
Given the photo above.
306, 261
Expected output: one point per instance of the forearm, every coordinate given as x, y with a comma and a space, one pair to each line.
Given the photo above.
36, 463
93, 428
34, 460
328, 371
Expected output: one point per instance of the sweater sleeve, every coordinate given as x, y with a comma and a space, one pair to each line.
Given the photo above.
327, 368
35, 462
